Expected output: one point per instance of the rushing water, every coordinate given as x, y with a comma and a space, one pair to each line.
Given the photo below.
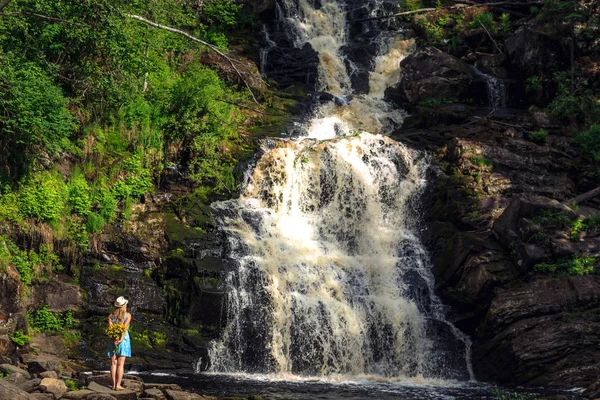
331, 278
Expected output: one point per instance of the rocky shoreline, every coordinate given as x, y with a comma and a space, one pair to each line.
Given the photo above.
49, 378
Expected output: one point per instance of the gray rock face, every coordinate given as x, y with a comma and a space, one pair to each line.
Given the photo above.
11, 369
178, 395
11, 392
39, 363
57, 295
429, 73
117, 394
78, 394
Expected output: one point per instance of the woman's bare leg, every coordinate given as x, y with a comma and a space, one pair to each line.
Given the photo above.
120, 369
113, 371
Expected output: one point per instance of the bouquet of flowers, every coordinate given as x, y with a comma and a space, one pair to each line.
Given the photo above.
115, 332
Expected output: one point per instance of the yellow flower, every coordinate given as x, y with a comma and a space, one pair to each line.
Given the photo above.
115, 331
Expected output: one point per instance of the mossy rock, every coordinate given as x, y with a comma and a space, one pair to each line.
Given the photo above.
178, 233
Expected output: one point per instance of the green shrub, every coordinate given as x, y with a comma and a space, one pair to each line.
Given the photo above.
480, 161
539, 136
486, 19
548, 218
505, 23
44, 320
222, 13
589, 141
107, 204
79, 195
20, 339
34, 121
533, 84
577, 265
42, 197
95, 223
71, 385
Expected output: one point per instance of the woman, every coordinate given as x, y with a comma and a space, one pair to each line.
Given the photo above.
119, 349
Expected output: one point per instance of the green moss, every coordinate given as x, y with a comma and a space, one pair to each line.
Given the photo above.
178, 232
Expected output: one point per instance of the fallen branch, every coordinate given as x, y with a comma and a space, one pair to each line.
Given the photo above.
584, 197
421, 10
4, 4
210, 46
490, 36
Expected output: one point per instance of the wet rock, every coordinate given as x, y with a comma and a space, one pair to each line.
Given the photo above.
57, 295
429, 73
54, 386
248, 73
39, 363
10, 292
493, 64
293, 66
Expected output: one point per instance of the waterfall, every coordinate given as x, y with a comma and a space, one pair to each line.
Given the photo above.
496, 90
330, 275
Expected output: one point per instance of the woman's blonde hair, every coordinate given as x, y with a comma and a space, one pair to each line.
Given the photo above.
119, 313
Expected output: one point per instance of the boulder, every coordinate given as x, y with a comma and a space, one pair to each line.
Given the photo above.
506, 227
291, 66
162, 386
531, 52
42, 396
100, 396
10, 292
48, 374
59, 296
154, 394
78, 394
30, 385
11, 392
37, 364
54, 386
49, 344
11, 369
117, 394
180, 395
429, 73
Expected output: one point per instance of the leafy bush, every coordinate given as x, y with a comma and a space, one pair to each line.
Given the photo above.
533, 84
41, 197
486, 19
577, 265
505, 23
222, 13
79, 195
35, 121
589, 141
20, 339
44, 320
539, 136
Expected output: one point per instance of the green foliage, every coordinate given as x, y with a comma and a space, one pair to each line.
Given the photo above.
222, 13
505, 23
577, 265
20, 339
79, 195
71, 385
579, 104
35, 121
559, 16
578, 226
486, 19
589, 141
29, 264
533, 84
481, 161
548, 218
539, 136
44, 320
42, 197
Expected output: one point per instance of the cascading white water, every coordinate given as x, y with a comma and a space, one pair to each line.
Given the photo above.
496, 90
330, 276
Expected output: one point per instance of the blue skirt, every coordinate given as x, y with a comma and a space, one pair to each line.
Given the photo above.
122, 350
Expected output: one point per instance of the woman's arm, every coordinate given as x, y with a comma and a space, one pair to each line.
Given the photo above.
127, 321
109, 320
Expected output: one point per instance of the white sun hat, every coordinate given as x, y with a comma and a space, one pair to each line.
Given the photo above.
121, 302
